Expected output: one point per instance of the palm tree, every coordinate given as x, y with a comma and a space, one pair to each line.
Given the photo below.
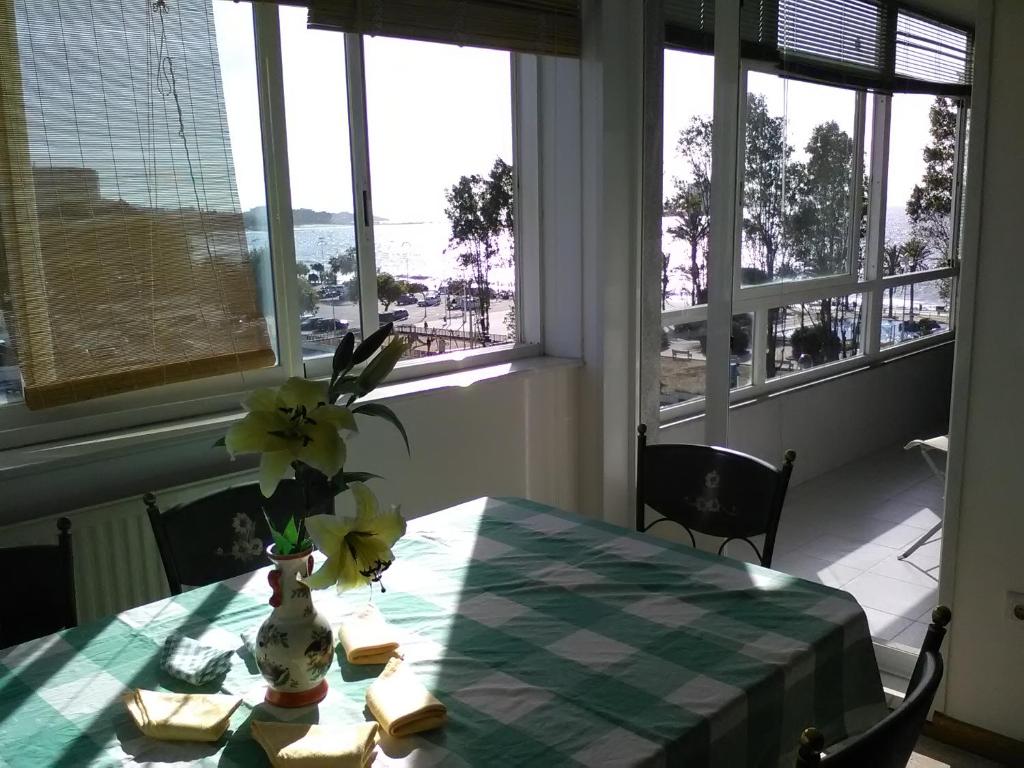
691, 204
892, 264
915, 255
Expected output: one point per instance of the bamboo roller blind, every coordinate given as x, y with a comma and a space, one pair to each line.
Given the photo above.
121, 231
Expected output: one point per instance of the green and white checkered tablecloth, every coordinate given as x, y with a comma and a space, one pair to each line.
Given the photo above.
552, 639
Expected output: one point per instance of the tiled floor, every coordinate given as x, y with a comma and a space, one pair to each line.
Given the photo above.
933, 754
847, 527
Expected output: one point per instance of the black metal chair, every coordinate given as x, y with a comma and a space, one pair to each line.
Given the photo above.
889, 743
221, 535
714, 491
40, 594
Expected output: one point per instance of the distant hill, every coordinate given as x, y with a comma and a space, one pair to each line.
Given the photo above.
256, 218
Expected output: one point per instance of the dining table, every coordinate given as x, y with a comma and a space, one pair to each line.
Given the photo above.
552, 639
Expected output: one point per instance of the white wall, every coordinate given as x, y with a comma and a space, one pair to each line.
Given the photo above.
830, 423
512, 435
985, 683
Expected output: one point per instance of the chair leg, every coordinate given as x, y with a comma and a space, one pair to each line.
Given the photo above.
921, 541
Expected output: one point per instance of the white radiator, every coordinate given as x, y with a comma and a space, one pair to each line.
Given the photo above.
117, 565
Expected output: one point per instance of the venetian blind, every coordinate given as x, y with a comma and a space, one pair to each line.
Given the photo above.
841, 36
549, 27
929, 52
690, 25
126, 258
863, 43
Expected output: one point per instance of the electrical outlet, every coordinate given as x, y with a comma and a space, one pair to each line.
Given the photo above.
1015, 608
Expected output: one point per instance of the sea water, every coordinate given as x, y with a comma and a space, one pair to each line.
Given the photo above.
415, 251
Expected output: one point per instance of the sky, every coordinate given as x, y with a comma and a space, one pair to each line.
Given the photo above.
434, 112
688, 93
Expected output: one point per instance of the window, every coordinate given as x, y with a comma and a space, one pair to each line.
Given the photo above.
686, 221
684, 359
320, 172
922, 161
915, 310
797, 180
443, 186
140, 253
803, 277
128, 142
814, 333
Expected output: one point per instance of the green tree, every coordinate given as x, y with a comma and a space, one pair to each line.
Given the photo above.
766, 155
931, 202
481, 217
819, 219
389, 290
916, 253
690, 204
419, 288
308, 297
892, 264
344, 261
764, 206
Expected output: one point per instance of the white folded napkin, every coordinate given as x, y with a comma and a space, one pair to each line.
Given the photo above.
367, 638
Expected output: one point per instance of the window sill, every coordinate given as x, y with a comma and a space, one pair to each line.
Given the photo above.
31, 459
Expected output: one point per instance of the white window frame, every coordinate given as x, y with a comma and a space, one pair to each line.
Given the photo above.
20, 427
758, 300
527, 259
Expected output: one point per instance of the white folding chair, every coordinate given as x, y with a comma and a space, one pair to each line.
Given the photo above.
928, 447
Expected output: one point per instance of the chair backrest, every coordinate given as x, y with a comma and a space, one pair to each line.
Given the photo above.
889, 743
221, 535
39, 594
714, 491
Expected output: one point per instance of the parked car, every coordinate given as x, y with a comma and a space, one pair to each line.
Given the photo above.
393, 316
430, 301
406, 299
315, 325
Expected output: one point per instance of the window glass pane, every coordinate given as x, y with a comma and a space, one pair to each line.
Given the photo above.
922, 157
320, 169
684, 363
869, 113
440, 133
802, 336
915, 310
686, 219
797, 179
138, 149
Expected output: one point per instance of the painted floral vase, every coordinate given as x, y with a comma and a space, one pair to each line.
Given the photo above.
295, 645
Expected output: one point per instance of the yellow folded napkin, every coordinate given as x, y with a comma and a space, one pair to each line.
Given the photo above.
367, 638
181, 716
296, 745
400, 703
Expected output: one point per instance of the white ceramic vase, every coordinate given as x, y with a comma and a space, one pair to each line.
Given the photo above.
295, 645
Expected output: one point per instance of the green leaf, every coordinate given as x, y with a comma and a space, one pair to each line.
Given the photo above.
378, 369
284, 547
371, 344
359, 477
383, 412
343, 360
346, 384
291, 532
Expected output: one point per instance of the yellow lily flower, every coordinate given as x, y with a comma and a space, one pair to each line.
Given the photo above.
292, 423
358, 548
